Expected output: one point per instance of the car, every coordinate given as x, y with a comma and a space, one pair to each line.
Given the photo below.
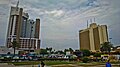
16, 57
32, 57
1, 57
23, 57
8, 56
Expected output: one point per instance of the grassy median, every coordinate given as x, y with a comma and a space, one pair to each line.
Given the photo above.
38, 62
50, 63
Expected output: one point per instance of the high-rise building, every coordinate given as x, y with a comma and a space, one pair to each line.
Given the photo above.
92, 37
23, 30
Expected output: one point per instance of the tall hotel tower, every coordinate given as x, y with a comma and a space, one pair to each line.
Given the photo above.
22, 30
92, 37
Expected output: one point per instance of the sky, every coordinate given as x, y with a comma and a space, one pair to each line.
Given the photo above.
61, 20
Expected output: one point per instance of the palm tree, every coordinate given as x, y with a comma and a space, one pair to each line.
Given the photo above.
49, 49
106, 47
71, 50
15, 45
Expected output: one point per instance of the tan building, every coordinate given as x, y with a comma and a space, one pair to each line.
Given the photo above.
92, 37
22, 30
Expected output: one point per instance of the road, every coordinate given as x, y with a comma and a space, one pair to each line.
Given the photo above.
63, 65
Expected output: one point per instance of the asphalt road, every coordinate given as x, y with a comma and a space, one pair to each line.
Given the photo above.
63, 65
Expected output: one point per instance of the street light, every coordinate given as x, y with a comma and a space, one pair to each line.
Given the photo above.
111, 44
31, 23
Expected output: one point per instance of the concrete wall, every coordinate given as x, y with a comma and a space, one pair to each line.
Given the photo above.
84, 40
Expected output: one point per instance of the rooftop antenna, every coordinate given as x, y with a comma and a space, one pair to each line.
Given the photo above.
17, 5
94, 19
87, 23
91, 20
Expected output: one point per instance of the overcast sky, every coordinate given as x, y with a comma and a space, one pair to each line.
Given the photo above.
61, 20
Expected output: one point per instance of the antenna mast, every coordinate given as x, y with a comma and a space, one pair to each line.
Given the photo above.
87, 23
94, 19
17, 5
91, 20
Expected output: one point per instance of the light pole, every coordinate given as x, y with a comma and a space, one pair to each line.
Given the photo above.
111, 44
31, 23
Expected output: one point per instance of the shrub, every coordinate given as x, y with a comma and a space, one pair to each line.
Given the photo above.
85, 60
97, 55
86, 52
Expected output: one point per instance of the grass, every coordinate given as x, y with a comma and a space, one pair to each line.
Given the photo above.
57, 62
49, 63
96, 63
24, 63
38, 62
91, 64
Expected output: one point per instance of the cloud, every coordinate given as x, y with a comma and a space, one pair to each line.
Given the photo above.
62, 19
4, 12
4, 1
55, 12
76, 19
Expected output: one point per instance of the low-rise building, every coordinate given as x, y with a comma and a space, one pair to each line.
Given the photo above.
5, 50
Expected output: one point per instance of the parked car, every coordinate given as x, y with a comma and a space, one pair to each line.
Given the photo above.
1, 57
32, 57
8, 57
16, 57
23, 57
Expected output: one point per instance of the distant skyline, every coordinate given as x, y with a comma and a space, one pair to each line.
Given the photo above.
61, 20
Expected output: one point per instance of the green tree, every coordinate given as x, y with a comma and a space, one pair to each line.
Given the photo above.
8, 53
66, 50
85, 59
86, 52
78, 53
49, 49
97, 55
15, 45
106, 47
71, 50
59, 52
43, 51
